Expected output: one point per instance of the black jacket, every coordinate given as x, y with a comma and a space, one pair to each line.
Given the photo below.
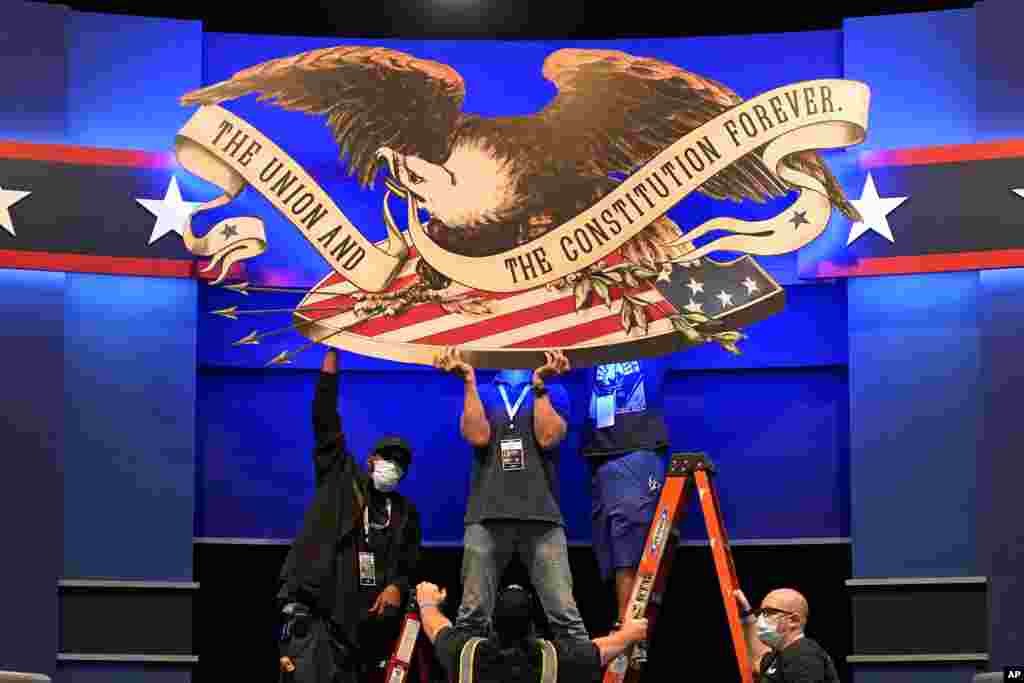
321, 570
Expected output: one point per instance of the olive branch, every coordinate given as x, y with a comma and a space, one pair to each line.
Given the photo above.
393, 304
596, 280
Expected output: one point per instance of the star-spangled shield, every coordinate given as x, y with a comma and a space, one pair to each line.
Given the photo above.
525, 324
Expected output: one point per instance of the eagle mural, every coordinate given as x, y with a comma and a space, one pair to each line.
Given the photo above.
490, 184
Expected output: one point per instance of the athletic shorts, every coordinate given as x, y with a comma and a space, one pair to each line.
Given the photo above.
624, 491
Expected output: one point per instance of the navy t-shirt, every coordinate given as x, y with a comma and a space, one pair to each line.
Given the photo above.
639, 407
507, 485
578, 662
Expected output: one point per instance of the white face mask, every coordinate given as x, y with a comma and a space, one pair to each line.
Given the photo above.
386, 475
767, 631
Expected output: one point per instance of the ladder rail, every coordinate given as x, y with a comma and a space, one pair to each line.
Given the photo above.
686, 471
406, 647
725, 567
650, 577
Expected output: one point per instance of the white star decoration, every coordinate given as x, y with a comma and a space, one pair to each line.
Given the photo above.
744, 291
9, 198
874, 209
171, 212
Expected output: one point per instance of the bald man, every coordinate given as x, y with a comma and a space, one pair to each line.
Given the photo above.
779, 650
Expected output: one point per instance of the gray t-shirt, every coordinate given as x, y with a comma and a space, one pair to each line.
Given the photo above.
512, 478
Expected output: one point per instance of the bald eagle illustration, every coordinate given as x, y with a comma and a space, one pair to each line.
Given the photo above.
490, 184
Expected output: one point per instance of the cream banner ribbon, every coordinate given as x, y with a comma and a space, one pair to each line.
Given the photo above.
809, 115
224, 150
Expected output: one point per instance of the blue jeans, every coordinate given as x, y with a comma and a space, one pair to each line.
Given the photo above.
541, 546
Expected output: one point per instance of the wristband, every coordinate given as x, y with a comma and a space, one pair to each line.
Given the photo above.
539, 391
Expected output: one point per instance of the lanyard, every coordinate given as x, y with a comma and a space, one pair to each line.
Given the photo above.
510, 409
366, 518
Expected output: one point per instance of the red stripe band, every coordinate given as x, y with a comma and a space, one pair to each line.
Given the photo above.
931, 263
84, 263
943, 154
86, 156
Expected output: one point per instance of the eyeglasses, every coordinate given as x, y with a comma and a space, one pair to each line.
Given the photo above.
771, 611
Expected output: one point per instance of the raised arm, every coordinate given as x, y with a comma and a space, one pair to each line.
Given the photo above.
331, 448
548, 425
429, 598
474, 425
755, 648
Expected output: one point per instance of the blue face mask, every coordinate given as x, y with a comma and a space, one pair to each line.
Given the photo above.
767, 631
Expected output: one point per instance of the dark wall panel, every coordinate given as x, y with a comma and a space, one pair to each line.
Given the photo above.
33, 71
31, 477
915, 424
129, 413
1000, 468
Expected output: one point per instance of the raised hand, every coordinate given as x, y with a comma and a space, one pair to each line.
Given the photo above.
428, 593
556, 364
330, 363
635, 630
389, 597
451, 361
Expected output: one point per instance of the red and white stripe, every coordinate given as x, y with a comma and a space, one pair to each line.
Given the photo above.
538, 318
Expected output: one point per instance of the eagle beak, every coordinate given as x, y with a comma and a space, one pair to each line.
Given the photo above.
388, 158
394, 162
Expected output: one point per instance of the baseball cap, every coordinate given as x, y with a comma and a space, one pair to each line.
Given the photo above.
395, 448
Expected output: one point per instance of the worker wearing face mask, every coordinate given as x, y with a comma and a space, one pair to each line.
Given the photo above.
348, 574
779, 650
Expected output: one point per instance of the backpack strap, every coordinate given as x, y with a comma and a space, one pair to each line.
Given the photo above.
466, 659
549, 661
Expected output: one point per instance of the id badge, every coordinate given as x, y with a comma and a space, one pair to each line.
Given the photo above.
605, 410
512, 456
367, 570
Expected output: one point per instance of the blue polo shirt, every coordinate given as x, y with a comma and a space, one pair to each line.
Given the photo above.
511, 487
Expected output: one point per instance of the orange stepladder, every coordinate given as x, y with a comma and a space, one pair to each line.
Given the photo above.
685, 470
411, 641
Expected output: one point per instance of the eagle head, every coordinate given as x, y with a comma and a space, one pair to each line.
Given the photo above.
473, 187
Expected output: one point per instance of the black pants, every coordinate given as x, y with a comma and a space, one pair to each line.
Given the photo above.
320, 657
324, 656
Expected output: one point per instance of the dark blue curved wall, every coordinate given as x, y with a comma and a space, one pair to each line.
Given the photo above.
883, 410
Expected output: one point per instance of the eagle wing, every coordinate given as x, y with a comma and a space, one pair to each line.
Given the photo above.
372, 97
618, 111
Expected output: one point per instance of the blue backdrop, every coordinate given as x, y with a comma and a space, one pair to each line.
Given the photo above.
780, 408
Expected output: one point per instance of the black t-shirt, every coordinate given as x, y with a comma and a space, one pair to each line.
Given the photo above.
632, 391
378, 542
579, 662
512, 477
804, 661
